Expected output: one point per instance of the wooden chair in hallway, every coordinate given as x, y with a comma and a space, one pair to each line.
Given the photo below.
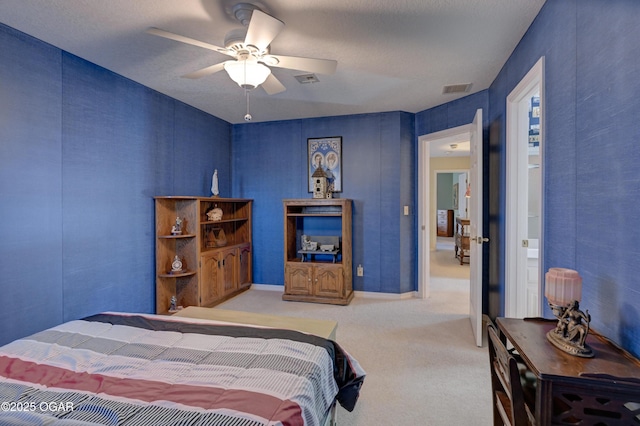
509, 406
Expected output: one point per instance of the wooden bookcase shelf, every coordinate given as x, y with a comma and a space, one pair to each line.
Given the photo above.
317, 276
178, 274
216, 255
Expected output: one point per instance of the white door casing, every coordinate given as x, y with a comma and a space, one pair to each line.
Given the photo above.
475, 205
425, 202
475, 228
523, 257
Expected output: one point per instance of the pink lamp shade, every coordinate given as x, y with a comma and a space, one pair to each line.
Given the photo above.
562, 286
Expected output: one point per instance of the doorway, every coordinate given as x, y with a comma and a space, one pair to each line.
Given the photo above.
524, 190
436, 145
447, 260
474, 132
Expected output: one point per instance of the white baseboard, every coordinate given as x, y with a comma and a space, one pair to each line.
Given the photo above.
268, 287
368, 294
378, 295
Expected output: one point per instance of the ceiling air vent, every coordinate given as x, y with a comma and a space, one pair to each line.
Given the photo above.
456, 88
307, 78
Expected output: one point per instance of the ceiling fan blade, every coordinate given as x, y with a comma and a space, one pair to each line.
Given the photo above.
272, 85
187, 40
262, 30
321, 66
206, 71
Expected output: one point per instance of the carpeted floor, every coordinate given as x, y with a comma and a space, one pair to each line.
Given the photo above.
445, 264
422, 365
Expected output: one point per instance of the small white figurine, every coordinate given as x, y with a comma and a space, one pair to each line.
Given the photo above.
177, 228
214, 184
306, 242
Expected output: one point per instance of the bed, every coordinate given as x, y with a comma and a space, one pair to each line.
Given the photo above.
138, 369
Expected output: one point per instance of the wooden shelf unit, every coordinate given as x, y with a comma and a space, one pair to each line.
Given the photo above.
324, 278
461, 239
211, 273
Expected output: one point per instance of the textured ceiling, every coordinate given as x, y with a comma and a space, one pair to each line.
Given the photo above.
392, 54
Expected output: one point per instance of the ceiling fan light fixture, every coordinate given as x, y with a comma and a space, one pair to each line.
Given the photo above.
248, 73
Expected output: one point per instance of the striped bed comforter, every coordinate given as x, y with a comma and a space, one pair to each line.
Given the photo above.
126, 370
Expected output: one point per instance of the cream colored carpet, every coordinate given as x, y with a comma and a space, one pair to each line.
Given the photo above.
422, 365
445, 264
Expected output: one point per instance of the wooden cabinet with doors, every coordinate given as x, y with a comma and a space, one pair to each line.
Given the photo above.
221, 272
314, 280
319, 275
445, 223
215, 251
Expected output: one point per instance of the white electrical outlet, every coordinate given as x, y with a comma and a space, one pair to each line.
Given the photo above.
360, 271
406, 210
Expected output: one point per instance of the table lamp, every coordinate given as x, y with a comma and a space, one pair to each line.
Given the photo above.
563, 290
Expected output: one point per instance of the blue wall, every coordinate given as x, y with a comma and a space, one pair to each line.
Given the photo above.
592, 64
269, 164
82, 153
380, 158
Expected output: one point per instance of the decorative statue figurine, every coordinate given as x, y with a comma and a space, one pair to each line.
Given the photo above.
174, 302
571, 331
307, 244
563, 290
214, 184
177, 228
305, 240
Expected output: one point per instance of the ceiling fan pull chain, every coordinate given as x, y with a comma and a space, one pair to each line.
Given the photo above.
247, 116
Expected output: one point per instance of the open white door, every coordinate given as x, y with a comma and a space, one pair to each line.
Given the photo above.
475, 231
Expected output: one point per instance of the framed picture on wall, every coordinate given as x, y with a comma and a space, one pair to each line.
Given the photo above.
325, 153
455, 196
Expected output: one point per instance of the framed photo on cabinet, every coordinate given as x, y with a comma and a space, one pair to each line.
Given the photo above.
327, 153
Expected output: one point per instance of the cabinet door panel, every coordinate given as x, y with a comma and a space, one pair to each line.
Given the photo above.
328, 281
210, 279
229, 270
244, 271
297, 279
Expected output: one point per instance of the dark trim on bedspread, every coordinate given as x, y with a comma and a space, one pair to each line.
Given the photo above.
348, 382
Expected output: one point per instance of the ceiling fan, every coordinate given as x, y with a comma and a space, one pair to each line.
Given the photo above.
249, 48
